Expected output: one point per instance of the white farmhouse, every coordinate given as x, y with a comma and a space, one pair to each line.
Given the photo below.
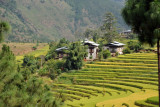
92, 50
114, 47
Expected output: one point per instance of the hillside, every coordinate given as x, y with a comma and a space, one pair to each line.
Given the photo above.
47, 20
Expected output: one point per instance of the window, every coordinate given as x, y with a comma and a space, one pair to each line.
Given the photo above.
91, 50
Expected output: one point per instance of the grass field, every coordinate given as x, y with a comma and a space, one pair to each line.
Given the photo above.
115, 83
23, 48
42, 50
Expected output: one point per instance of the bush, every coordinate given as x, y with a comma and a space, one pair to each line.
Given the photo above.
126, 51
34, 47
55, 67
100, 56
106, 54
43, 72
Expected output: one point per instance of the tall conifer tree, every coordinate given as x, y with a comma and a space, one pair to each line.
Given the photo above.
144, 18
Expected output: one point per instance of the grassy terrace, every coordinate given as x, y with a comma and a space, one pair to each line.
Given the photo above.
150, 102
111, 83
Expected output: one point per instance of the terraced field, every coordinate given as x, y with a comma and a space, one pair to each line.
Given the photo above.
115, 83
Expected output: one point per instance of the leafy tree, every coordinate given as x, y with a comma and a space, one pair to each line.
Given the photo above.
53, 46
135, 46
106, 54
143, 16
108, 28
76, 54
4, 29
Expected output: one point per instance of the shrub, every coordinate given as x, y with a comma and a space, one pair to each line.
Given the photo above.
126, 51
82, 104
100, 56
106, 54
43, 72
34, 47
90, 57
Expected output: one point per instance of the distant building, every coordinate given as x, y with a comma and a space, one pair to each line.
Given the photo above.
126, 32
92, 50
114, 47
61, 52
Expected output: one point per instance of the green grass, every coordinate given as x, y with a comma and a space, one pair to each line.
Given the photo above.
143, 103
153, 100
150, 102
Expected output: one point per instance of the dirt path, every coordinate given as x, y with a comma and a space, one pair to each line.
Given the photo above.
129, 99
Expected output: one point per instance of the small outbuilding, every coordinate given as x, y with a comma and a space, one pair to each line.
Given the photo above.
126, 32
114, 47
61, 52
92, 50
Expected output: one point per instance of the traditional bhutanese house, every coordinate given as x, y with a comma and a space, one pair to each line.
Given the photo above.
61, 52
114, 47
92, 50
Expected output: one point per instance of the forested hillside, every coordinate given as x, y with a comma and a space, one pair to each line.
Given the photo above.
47, 20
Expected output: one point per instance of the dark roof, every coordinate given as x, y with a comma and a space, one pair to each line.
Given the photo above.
115, 43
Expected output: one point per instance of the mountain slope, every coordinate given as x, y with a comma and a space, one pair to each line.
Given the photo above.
47, 20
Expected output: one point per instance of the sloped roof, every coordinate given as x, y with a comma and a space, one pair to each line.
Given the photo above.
61, 49
127, 31
115, 43
90, 42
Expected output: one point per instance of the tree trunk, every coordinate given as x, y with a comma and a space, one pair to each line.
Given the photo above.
158, 55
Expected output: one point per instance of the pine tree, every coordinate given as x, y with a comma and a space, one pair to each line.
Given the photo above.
4, 29
108, 28
17, 88
144, 18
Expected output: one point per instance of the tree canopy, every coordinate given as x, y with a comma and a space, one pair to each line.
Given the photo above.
76, 54
144, 18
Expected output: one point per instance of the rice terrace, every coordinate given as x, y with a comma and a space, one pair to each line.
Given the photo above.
79, 53
120, 81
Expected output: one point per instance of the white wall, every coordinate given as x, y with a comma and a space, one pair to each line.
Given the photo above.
119, 50
94, 56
